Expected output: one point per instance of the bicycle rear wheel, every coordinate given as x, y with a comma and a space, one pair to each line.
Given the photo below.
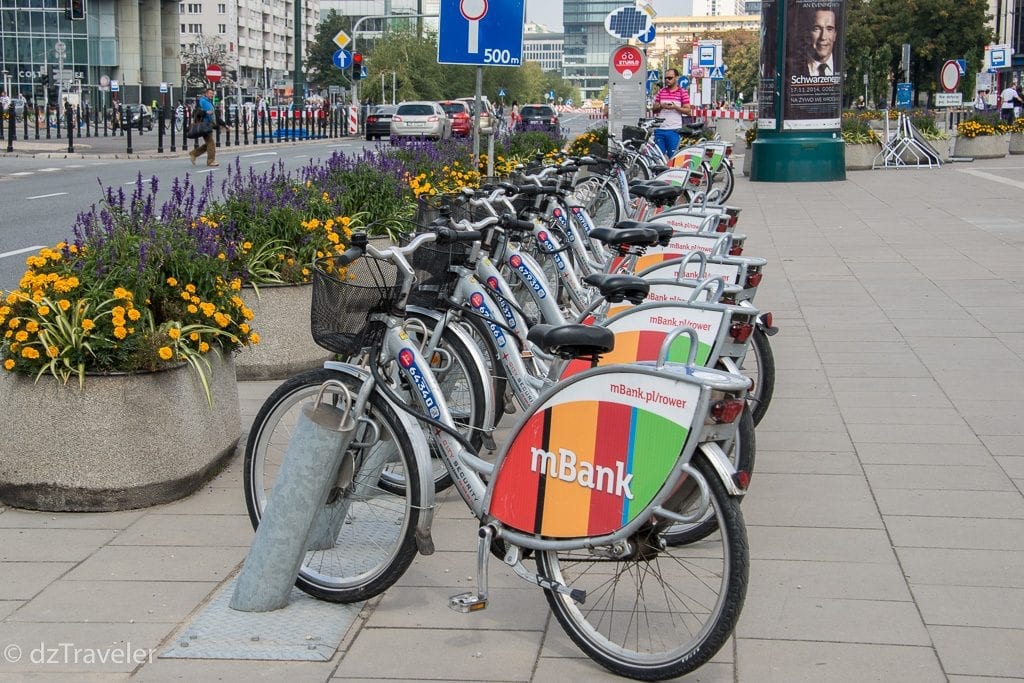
370, 542
601, 200
663, 611
759, 365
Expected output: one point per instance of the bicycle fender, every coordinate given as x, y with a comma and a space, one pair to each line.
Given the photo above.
480, 365
723, 467
421, 451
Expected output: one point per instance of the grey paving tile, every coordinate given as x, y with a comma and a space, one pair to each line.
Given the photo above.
950, 532
188, 530
810, 500
51, 545
981, 477
883, 384
79, 647
115, 601
76, 677
806, 462
209, 500
974, 651
8, 606
442, 654
934, 398
984, 606
924, 454
456, 571
949, 503
822, 545
1013, 465
810, 579
509, 609
32, 519
1003, 444
901, 415
141, 563
912, 434
167, 670
797, 441
23, 580
789, 661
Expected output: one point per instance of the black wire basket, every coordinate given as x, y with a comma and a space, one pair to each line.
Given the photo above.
429, 208
432, 263
344, 297
633, 133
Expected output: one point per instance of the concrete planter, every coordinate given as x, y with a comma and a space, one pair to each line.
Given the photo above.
122, 442
860, 157
982, 146
281, 316
1016, 143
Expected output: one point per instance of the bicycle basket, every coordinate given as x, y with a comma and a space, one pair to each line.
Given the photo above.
432, 263
598, 151
633, 133
344, 298
430, 208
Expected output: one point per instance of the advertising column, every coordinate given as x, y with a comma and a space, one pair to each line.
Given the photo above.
800, 92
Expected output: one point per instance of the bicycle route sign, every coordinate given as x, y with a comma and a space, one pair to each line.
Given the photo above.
481, 32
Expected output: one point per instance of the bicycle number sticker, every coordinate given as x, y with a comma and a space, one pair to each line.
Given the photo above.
582, 466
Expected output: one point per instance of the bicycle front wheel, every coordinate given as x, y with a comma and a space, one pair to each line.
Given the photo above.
661, 611
366, 539
601, 200
759, 365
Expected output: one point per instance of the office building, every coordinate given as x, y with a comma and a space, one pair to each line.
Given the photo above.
588, 46
543, 46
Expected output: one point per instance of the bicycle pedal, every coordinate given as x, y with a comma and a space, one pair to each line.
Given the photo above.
468, 602
488, 442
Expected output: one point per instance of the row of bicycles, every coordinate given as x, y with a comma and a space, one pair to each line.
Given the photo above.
630, 361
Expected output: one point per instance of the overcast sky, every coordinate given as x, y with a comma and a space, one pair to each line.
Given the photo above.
549, 12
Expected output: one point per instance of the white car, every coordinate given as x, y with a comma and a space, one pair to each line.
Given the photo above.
420, 119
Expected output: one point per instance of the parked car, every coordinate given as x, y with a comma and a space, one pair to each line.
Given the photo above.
378, 121
487, 116
420, 120
458, 112
538, 117
145, 113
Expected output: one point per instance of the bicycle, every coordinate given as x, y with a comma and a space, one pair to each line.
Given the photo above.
590, 514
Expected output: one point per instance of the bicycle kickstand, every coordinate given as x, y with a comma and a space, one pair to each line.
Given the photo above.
476, 601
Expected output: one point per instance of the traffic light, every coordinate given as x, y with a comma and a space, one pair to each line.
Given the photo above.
357, 65
74, 10
49, 84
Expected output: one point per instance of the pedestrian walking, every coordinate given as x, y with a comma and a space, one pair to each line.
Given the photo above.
204, 122
1009, 99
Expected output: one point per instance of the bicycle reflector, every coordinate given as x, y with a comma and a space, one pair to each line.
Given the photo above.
741, 331
726, 411
754, 279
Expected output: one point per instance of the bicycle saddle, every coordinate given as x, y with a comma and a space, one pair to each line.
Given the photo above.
664, 230
619, 288
638, 237
658, 194
572, 341
691, 129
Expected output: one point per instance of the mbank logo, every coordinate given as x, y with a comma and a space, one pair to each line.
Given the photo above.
408, 361
566, 467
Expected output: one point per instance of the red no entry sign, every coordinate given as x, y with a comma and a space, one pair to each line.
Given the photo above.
213, 73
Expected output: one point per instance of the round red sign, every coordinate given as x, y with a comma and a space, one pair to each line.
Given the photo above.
627, 61
213, 73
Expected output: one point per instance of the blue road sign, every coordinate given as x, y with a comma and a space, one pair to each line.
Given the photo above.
502, 92
653, 75
683, 81
706, 56
903, 94
997, 56
342, 59
962, 65
481, 32
647, 37
717, 73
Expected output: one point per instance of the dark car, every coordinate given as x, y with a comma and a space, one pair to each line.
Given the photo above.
143, 112
458, 112
538, 117
378, 121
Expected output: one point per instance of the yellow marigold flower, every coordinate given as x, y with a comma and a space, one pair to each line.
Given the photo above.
221, 256
247, 245
247, 313
133, 314
32, 326
88, 324
8, 364
244, 328
174, 333
192, 308
195, 300
203, 347
208, 309
117, 320
172, 282
254, 338
21, 336
194, 336
185, 296
190, 288
165, 353
52, 351
44, 310
120, 332
8, 334
236, 284
30, 353
221, 319
122, 293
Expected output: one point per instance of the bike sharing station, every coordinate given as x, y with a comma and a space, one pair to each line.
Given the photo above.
799, 112
627, 68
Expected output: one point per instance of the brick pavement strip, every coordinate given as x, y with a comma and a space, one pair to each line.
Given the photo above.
885, 528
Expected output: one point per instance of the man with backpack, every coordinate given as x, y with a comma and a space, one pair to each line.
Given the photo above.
204, 121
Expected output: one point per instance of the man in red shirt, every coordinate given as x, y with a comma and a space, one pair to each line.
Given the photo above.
671, 103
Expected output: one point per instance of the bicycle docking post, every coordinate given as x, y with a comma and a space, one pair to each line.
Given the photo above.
308, 472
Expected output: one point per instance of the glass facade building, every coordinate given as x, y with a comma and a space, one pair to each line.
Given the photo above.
588, 47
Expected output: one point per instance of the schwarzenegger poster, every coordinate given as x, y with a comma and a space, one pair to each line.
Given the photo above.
769, 65
812, 92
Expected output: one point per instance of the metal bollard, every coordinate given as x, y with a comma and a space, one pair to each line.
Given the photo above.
35, 115
11, 130
127, 129
69, 114
160, 132
312, 463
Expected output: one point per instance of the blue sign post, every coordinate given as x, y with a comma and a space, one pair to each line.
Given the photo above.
481, 32
903, 95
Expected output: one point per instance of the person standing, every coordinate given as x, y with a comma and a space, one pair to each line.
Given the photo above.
1010, 98
209, 144
671, 104
980, 103
515, 115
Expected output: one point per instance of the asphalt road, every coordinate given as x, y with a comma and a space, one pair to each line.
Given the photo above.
40, 197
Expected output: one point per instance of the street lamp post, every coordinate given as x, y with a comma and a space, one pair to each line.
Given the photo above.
298, 82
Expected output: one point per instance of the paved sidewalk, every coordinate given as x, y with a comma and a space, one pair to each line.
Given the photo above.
885, 517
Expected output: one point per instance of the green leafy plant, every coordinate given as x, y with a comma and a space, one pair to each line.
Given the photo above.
856, 131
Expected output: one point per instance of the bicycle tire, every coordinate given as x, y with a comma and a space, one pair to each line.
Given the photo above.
601, 200
726, 178
742, 455
375, 544
763, 375
680, 577
481, 334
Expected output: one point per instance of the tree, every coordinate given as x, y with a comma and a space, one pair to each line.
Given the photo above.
319, 63
196, 56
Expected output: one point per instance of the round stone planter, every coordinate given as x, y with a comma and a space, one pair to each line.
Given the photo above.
281, 316
121, 442
860, 157
982, 146
1016, 143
